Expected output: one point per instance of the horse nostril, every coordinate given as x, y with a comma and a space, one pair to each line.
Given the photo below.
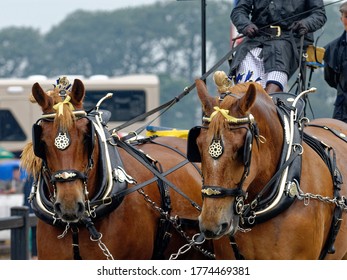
57, 207
80, 208
209, 234
224, 227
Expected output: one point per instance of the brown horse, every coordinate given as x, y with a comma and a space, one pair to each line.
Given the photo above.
100, 197
272, 181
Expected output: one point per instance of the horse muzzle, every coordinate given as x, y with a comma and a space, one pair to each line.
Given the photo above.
219, 229
69, 212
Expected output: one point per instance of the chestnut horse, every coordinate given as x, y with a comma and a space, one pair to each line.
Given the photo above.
272, 180
99, 197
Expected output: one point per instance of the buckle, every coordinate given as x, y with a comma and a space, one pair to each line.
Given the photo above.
278, 33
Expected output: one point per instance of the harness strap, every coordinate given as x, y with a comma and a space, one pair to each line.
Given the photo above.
75, 243
94, 234
125, 192
302, 77
68, 175
329, 157
334, 131
274, 197
278, 173
163, 232
233, 244
151, 140
139, 156
217, 192
162, 239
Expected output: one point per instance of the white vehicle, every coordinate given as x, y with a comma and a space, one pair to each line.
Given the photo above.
133, 95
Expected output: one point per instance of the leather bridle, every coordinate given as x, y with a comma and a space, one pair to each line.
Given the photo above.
246, 122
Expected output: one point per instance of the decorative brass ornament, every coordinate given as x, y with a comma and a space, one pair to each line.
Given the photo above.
216, 148
121, 176
62, 141
209, 192
65, 175
293, 190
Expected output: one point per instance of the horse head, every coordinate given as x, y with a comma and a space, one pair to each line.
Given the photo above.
233, 144
62, 138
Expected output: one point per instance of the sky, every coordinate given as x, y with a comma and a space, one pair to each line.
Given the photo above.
44, 14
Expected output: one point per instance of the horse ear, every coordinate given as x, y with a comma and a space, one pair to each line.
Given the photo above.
45, 101
247, 101
207, 101
77, 93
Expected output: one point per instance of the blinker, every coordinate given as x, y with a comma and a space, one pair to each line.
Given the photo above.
193, 153
37, 143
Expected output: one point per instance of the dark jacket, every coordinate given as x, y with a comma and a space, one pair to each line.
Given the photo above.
280, 53
335, 64
335, 73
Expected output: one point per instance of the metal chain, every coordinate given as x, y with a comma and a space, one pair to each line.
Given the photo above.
103, 247
64, 232
154, 205
176, 224
306, 197
185, 248
339, 203
191, 241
